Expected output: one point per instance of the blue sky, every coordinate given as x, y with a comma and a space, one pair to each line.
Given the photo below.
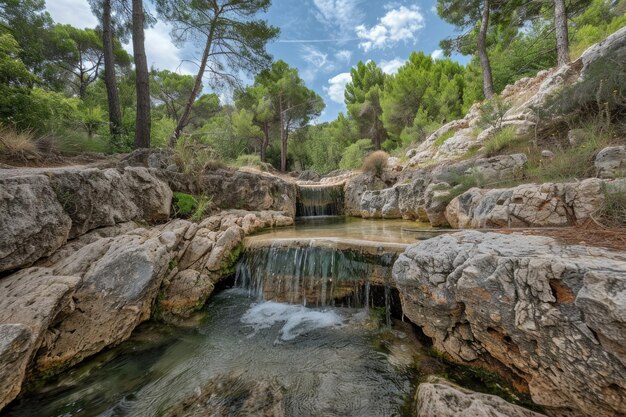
324, 39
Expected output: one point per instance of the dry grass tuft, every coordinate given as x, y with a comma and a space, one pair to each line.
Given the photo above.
376, 162
15, 145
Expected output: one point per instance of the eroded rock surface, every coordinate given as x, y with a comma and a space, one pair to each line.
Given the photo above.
440, 398
527, 205
550, 315
30, 301
611, 162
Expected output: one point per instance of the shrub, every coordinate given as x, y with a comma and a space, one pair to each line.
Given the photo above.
353, 155
193, 157
375, 162
251, 161
17, 145
492, 112
191, 207
613, 211
461, 183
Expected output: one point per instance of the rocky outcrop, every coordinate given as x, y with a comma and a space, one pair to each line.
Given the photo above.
208, 254
527, 205
421, 196
611, 162
33, 223
30, 301
241, 190
42, 208
440, 398
550, 315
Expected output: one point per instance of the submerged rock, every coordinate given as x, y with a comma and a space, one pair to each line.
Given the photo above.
440, 398
232, 395
550, 315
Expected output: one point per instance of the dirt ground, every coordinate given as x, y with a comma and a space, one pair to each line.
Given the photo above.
591, 235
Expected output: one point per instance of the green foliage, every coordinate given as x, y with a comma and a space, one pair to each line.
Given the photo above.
599, 20
443, 138
492, 112
353, 155
92, 119
191, 207
171, 91
501, 140
160, 131
251, 161
434, 89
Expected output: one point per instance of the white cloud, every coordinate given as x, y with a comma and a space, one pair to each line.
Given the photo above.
437, 54
391, 66
342, 14
337, 86
73, 12
400, 24
343, 56
314, 56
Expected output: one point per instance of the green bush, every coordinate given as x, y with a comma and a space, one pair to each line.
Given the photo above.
613, 211
492, 112
443, 138
187, 206
353, 155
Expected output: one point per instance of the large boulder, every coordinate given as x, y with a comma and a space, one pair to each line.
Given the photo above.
233, 189
30, 301
440, 398
550, 315
611, 162
96, 198
527, 205
33, 223
120, 278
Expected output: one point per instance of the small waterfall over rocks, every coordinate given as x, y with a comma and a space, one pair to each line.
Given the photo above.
317, 273
320, 200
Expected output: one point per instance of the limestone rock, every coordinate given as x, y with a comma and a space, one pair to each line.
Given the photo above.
614, 46
230, 189
435, 203
120, 278
30, 301
96, 198
527, 205
33, 223
611, 162
550, 315
440, 398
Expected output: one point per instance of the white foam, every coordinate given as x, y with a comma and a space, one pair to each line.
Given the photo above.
298, 319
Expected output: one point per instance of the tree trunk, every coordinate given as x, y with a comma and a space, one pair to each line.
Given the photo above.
142, 128
113, 99
184, 119
562, 37
482, 52
265, 142
283, 139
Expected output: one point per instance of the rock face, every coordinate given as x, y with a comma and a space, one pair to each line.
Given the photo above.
550, 315
440, 398
527, 205
32, 221
611, 162
30, 301
41, 208
239, 190
209, 253
419, 197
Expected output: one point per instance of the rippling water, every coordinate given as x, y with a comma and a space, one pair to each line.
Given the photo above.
324, 358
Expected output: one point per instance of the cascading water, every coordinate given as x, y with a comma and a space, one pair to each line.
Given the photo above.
317, 275
319, 200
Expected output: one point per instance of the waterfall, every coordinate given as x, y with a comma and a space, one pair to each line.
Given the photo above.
317, 275
319, 200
